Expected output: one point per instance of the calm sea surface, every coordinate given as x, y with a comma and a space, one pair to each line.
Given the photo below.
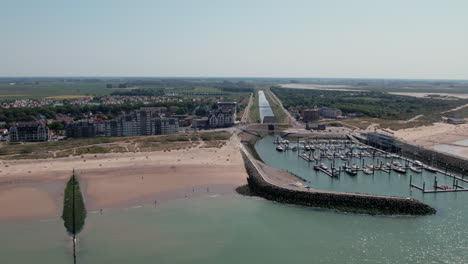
235, 229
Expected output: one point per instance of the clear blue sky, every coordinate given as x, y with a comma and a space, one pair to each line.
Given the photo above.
235, 38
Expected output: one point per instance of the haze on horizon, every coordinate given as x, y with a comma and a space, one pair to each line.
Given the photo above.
246, 38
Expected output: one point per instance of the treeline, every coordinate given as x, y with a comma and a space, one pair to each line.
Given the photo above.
235, 87
140, 92
10, 115
369, 103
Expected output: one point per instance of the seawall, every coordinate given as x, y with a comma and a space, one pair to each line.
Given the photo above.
347, 202
432, 157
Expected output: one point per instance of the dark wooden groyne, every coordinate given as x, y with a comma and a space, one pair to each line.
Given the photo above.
347, 202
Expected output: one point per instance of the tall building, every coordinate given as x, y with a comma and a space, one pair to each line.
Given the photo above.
140, 123
166, 126
310, 115
80, 129
29, 131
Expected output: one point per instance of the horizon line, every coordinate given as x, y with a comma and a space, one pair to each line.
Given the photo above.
233, 77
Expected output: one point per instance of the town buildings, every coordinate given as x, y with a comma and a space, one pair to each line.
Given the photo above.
139, 123
310, 115
223, 116
80, 129
29, 131
326, 112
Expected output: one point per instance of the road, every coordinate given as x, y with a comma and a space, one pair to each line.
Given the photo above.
292, 120
245, 116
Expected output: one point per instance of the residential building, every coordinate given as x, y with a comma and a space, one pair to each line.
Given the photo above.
310, 115
223, 116
200, 123
100, 126
326, 112
166, 126
113, 128
29, 131
140, 123
81, 129
228, 106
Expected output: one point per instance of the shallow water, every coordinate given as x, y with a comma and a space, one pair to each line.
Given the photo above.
235, 229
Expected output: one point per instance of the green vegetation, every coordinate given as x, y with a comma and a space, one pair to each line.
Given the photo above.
74, 211
27, 114
140, 92
462, 113
371, 104
102, 145
252, 150
254, 114
275, 106
43, 147
18, 88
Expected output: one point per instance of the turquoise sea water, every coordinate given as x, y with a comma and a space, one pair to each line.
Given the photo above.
237, 229
234, 229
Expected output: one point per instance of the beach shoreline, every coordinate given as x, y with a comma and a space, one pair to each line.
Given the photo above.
118, 179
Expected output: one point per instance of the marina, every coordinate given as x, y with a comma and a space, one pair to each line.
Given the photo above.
339, 159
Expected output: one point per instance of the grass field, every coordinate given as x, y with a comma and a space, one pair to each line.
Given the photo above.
53, 88
254, 114
275, 106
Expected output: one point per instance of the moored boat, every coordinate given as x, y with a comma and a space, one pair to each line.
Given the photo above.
415, 169
431, 169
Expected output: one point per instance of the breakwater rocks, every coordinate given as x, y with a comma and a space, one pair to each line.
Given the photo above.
347, 202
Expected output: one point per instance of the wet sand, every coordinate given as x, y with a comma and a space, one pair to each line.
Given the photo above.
119, 179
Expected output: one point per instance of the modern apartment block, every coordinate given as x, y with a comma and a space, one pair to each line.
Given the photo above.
29, 131
81, 129
140, 123
310, 115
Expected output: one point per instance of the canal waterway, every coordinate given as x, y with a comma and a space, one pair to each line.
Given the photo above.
264, 106
236, 229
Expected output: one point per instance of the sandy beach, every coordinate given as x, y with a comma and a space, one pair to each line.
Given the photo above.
438, 133
424, 95
33, 188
